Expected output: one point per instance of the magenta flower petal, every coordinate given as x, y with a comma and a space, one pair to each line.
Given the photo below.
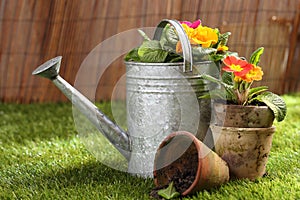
187, 23
195, 24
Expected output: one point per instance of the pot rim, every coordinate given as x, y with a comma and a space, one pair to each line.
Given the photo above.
241, 106
272, 128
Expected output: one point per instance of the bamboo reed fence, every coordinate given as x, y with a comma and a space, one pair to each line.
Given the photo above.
33, 31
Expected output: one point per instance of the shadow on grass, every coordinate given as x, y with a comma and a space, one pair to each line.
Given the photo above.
86, 177
87, 173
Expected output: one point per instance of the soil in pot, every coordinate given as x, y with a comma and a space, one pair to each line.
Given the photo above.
181, 172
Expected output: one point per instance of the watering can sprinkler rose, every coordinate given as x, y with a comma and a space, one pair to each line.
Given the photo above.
162, 88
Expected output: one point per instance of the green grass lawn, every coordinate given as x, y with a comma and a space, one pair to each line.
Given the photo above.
41, 157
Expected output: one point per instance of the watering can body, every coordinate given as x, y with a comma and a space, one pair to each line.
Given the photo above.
162, 99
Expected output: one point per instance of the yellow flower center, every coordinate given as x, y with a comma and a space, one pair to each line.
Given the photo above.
236, 68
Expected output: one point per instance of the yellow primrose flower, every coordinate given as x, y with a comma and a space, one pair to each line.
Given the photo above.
205, 36
222, 48
255, 74
188, 30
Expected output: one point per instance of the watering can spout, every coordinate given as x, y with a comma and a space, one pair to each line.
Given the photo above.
119, 138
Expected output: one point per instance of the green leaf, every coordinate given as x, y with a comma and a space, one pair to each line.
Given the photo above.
150, 51
201, 53
255, 57
154, 56
174, 57
256, 90
132, 55
143, 34
215, 80
148, 46
227, 78
217, 57
168, 39
223, 38
171, 35
164, 43
275, 103
169, 193
230, 95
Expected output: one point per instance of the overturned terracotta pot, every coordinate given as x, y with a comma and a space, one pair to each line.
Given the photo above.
245, 150
184, 160
242, 116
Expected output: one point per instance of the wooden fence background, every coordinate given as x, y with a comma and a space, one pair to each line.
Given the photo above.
33, 31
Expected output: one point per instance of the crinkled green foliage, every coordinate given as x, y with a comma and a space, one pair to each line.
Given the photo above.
150, 51
275, 103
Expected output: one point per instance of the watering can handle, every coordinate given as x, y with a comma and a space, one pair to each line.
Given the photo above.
185, 43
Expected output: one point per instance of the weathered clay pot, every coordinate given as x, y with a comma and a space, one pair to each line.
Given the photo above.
242, 116
189, 163
245, 150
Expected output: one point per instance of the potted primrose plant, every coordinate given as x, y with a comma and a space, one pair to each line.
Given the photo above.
243, 116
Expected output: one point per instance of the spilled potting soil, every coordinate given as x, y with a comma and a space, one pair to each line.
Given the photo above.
181, 172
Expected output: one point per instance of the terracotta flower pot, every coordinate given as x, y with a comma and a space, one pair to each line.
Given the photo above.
186, 161
245, 150
242, 116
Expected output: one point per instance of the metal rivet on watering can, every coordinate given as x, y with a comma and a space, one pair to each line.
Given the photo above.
187, 162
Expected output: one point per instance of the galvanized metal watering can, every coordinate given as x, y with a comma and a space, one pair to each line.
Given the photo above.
161, 98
